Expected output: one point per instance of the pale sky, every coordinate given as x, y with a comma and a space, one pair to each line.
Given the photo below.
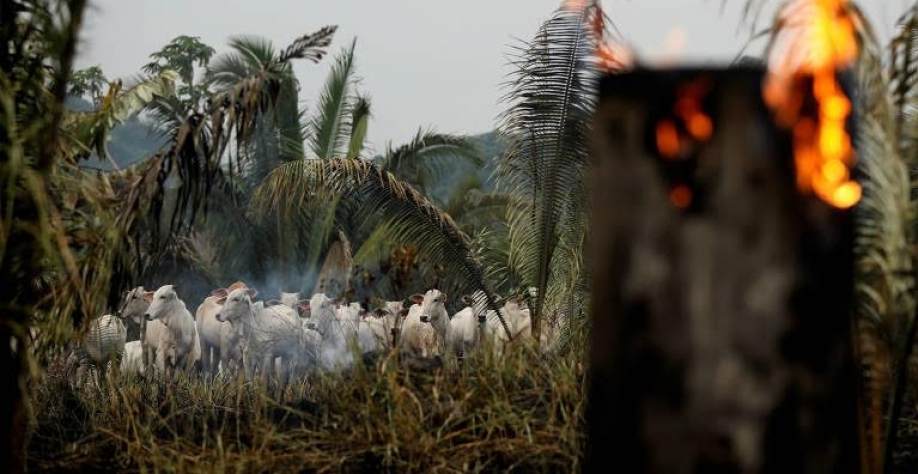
425, 63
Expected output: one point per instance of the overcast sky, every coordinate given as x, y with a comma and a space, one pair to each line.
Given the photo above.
425, 63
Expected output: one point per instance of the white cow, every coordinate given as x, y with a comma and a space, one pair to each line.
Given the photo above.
291, 299
357, 330
132, 361
468, 331
179, 346
333, 351
352, 312
384, 320
134, 306
265, 333
215, 335
464, 331
416, 337
433, 311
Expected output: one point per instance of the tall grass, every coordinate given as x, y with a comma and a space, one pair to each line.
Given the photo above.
522, 411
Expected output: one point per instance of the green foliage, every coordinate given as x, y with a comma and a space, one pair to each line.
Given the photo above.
552, 93
182, 54
94, 128
428, 157
490, 147
408, 215
130, 141
88, 82
330, 128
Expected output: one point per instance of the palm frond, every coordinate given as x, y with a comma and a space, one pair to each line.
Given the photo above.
474, 209
168, 112
228, 69
311, 46
330, 126
903, 75
92, 129
552, 94
360, 121
409, 215
254, 57
422, 161
885, 234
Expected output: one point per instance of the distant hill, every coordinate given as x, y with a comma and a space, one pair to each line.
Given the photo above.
135, 140
131, 141
491, 147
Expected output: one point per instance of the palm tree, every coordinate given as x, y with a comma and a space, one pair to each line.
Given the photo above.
405, 214
244, 110
549, 104
325, 217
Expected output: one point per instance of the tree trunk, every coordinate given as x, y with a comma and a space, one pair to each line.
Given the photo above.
335, 276
722, 296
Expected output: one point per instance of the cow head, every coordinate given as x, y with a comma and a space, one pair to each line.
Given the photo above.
134, 304
236, 304
433, 307
160, 302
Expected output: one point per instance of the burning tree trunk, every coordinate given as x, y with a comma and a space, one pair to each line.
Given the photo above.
721, 339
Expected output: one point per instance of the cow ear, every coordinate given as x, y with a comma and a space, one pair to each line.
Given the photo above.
251, 292
219, 293
403, 312
147, 296
221, 300
379, 312
417, 298
443, 297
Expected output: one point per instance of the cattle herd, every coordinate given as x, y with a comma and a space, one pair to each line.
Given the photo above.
232, 331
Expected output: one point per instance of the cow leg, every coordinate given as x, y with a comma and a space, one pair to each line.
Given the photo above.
215, 359
206, 357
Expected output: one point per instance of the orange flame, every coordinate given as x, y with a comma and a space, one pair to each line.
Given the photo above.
680, 196
688, 110
668, 139
823, 153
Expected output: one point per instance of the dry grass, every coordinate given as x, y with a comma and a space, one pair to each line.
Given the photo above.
522, 412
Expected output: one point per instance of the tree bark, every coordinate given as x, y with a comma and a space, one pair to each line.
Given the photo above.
721, 325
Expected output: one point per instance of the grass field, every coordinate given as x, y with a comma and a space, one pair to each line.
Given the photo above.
521, 412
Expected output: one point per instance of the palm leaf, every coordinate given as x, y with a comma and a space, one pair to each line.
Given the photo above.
409, 215
423, 160
202, 141
552, 93
903, 74
91, 130
330, 126
254, 56
360, 121
311, 46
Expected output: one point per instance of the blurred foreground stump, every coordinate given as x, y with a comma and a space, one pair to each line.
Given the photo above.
722, 295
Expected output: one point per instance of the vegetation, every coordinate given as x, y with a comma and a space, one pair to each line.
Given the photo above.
502, 212
519, 413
